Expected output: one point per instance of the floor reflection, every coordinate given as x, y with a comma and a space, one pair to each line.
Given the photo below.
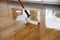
51, 20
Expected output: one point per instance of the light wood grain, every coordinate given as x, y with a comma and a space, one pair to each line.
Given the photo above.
14, 30
33, 14
15, 14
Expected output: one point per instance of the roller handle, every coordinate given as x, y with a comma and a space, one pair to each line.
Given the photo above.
28, 15
19, 1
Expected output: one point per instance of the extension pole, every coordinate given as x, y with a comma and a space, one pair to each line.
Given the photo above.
28, 15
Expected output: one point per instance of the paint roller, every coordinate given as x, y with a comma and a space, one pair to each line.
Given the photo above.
28, 15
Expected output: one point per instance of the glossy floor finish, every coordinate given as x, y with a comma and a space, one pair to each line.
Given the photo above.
11, 29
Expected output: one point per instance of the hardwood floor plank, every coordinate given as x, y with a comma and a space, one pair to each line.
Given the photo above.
15, 30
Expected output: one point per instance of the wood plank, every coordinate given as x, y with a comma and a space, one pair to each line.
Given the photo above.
14, 12
15, 30
33, 14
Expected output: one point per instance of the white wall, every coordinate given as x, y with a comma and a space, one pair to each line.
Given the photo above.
27, 0
57, 2
51, 0
31, 0
40, 0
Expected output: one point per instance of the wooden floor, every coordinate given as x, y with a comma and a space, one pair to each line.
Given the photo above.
14, 30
